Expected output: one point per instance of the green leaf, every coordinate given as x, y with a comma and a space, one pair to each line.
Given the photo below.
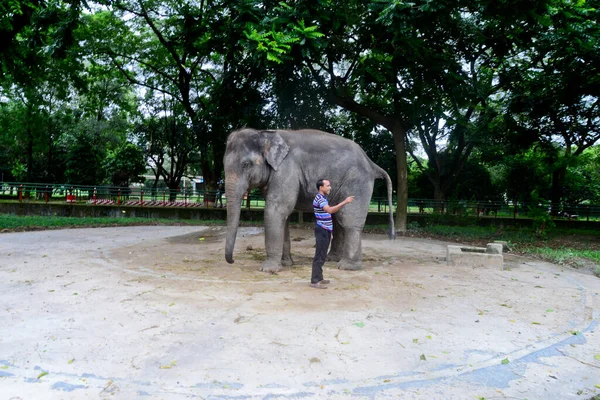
71, 361
423, 357
359, 324
273, 57
597, 357
42, 374
505, 361
169, 366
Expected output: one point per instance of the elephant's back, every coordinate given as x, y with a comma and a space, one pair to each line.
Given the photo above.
322, 145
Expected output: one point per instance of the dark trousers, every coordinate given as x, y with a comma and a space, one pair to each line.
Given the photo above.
323, 237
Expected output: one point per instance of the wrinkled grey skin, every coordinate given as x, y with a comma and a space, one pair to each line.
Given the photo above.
286, 166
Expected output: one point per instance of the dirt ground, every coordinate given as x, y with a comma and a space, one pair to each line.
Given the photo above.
156, 312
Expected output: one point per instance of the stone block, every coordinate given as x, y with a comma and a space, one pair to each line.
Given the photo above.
494, 248
473, 257
505, 248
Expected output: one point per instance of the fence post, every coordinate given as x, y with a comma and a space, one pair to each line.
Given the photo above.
95, 192
588, 213
119, 196
47, 194
185, 196
142, 198
20, 193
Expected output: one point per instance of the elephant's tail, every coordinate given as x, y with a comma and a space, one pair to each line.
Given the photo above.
384, 175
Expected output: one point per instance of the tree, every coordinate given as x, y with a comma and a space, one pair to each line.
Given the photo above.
385, 60
555, 88
31, 31
168, 144
84, 164
191, 53
125, 165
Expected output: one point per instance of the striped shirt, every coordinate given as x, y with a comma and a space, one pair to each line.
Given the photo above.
323, 218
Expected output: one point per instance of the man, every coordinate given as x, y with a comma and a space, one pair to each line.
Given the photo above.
323, 231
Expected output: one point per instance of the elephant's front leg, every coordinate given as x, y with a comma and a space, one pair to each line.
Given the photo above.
275, 221
286, 258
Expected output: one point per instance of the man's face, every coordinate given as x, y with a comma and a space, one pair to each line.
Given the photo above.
326, 188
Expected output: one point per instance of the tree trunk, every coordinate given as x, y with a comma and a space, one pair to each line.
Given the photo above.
399, 135
439, 196
29, 155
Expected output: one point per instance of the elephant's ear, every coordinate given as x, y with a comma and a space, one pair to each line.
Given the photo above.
275, 148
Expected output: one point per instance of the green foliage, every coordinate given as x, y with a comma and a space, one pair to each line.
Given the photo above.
539, 213
84, 164
567, 256
124, 165
492, 99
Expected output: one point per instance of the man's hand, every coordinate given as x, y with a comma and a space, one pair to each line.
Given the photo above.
334, 209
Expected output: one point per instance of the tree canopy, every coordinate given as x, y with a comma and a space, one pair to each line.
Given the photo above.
444, 95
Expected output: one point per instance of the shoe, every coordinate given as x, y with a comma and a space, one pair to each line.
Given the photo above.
325, 282
318, 285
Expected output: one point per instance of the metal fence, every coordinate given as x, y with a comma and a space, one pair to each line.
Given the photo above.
160, 197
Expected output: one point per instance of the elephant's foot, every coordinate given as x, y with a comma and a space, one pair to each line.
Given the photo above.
271, 266
287, 261
333, 257
349, 265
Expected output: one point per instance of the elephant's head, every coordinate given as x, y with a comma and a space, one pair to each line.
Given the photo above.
250, 159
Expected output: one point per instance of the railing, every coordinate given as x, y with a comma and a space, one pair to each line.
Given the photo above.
107, 195
147, 197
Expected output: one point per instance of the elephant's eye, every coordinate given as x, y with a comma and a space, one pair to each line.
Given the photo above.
246, 164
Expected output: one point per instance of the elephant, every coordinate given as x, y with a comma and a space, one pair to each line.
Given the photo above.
286, 165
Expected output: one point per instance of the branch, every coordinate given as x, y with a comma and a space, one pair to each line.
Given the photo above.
137, 82
161, 38
316, 75
420, 166
350, 69
158, 71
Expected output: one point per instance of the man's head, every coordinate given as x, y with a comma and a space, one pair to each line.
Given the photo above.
323, 186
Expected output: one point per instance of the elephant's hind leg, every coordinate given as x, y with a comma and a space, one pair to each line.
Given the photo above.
352, 254
286, 257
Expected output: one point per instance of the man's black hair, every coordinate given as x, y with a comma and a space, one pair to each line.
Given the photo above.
321, 182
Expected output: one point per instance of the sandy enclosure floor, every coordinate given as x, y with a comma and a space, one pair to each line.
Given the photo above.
156, 312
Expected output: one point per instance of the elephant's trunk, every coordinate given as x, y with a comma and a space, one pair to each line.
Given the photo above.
235, 191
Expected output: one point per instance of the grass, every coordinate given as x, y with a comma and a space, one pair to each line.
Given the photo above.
567, 256
18, 223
